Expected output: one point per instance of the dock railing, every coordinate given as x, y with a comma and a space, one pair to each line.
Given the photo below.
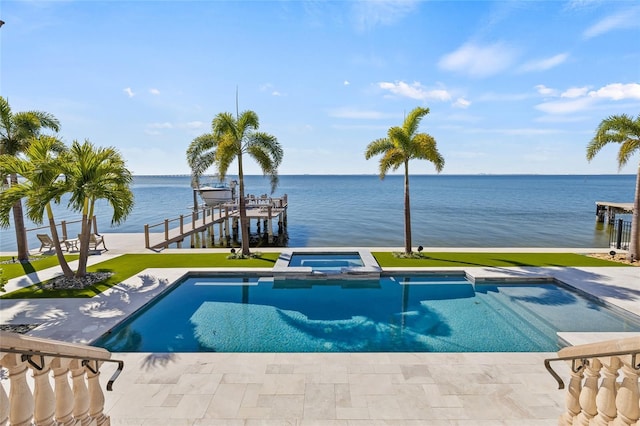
76, 397
594, 395
174, 230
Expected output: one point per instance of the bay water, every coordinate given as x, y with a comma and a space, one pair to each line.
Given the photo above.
362, 210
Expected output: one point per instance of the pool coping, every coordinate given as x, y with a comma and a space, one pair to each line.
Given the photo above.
84, 320
370, 268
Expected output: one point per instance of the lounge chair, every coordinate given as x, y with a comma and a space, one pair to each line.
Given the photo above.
45, 241
95, 240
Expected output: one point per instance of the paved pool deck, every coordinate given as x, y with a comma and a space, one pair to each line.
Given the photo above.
319, 388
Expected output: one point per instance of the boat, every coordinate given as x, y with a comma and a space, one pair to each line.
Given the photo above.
217, 193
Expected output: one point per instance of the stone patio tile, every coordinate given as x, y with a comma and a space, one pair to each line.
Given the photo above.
251, 395
384, 407
327, 377
370, 384
226, 401
172, 400
283, 406
319, 401
436, 399
349, 413
189, 383
283, 384
192, 406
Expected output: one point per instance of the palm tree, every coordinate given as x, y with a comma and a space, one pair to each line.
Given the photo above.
624, 130
94, 173
41, 170
401, 145
230, 139
16, 130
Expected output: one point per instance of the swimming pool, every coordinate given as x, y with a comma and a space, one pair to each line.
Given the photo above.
414, 313
326, 261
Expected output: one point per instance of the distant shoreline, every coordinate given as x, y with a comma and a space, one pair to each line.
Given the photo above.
414, 174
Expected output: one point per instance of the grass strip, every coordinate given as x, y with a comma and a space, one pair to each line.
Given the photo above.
482, 259
128, 265
36, 263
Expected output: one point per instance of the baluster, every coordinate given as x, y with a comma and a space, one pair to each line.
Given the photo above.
96, 396
589, 392
572, 399
606, 399
45, 399
627, 398
80, 394
20, 397
64, 394
4, 401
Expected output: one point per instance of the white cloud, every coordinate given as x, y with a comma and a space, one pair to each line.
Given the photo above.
479, 61
154, 91
347, 112
574, 92
276, 93
346, 83
577, 99
129, 92
625, 19
546, 91
461, 103
565, 107
165, 125
582, 4
369, 14
194, 125
617, 91
415, 91
544, 64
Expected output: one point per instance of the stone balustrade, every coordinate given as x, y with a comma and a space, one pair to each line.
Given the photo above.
75, 398
603, 387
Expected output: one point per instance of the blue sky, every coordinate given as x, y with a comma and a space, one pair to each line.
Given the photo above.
513, 86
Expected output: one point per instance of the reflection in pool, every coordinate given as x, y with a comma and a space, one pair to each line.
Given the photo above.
413, 313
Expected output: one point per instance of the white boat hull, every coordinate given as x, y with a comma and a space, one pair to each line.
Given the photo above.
215, 196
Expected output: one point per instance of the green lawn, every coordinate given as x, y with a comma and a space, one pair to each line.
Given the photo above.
37, 263
472, 259
128, 265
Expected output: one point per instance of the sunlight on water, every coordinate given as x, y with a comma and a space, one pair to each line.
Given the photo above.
449, 211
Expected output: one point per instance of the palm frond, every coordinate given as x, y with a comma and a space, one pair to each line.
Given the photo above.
377, 147
412, 121
613, 129
627, 150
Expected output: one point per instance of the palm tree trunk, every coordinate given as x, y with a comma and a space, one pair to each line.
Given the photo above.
84, 241
18, 221
244, 232
66, 270
407, 210
634, 244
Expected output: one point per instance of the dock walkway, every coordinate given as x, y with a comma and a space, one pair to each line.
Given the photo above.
200, 226
611, 209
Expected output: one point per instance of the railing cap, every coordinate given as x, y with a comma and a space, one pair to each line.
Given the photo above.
21, 342
630, 344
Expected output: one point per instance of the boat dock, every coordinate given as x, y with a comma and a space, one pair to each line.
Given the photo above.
609, 210
199, 228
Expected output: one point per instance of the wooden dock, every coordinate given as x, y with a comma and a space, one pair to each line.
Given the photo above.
610, 209
199, 228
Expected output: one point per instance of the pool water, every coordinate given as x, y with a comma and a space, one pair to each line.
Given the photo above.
326, 261
390, 314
